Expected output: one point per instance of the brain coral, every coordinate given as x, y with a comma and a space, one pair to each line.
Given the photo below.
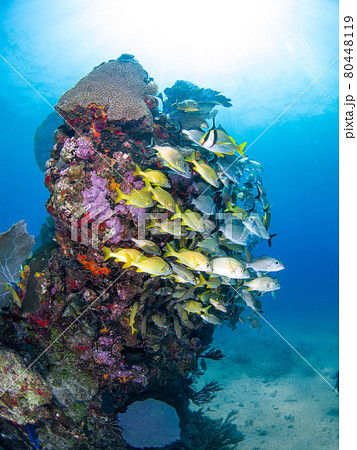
120, 85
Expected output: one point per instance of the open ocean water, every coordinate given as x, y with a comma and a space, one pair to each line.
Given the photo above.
264, 68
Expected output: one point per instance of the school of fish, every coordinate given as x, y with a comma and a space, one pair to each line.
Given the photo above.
198, 254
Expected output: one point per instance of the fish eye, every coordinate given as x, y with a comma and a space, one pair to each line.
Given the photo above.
276, 262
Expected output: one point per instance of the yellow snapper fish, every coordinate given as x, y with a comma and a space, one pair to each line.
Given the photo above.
133, 312
237, 211
172, 157
163, 197
194, 260
182, 313
262, 284
211, 283
191, 306
122, 254
14, 294
220, 143
140, 199
191, 219
154, 266
147, 246
179, 279
155, 177
173, 227
206, 171
229, 267
187, 106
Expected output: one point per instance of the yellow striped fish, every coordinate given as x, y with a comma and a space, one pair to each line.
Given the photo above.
206, 171
155, 177
194, 260
154, 266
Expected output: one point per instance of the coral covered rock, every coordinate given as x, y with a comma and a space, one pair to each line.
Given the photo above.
120, 85
23, 392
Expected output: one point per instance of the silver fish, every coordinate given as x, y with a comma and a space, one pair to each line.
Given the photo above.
229, 267
234, 233
254, 224
255, 165
210, 318
204, 204
265, 264
229, 168
262, 284
208, 245
184, 273
249, 299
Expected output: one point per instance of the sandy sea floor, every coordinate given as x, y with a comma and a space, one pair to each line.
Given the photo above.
282, 402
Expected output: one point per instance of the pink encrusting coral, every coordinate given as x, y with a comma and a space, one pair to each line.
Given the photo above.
84, 148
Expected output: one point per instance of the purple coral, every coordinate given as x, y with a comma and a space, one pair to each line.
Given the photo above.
95, 201
103, 357
98, 207
116, 230
84, 148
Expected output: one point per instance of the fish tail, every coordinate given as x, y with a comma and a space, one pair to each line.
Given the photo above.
205, 310
107, 253
191, 158
270, 238
147, 185
202, 281
177, 215
153, 223
230, 207
137, 170
128, 263
170, 251
121, 195
133, 330
240, 149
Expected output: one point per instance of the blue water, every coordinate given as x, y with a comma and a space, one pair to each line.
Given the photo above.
53, 44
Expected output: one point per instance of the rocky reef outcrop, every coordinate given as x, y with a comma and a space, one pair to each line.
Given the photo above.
123, 305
